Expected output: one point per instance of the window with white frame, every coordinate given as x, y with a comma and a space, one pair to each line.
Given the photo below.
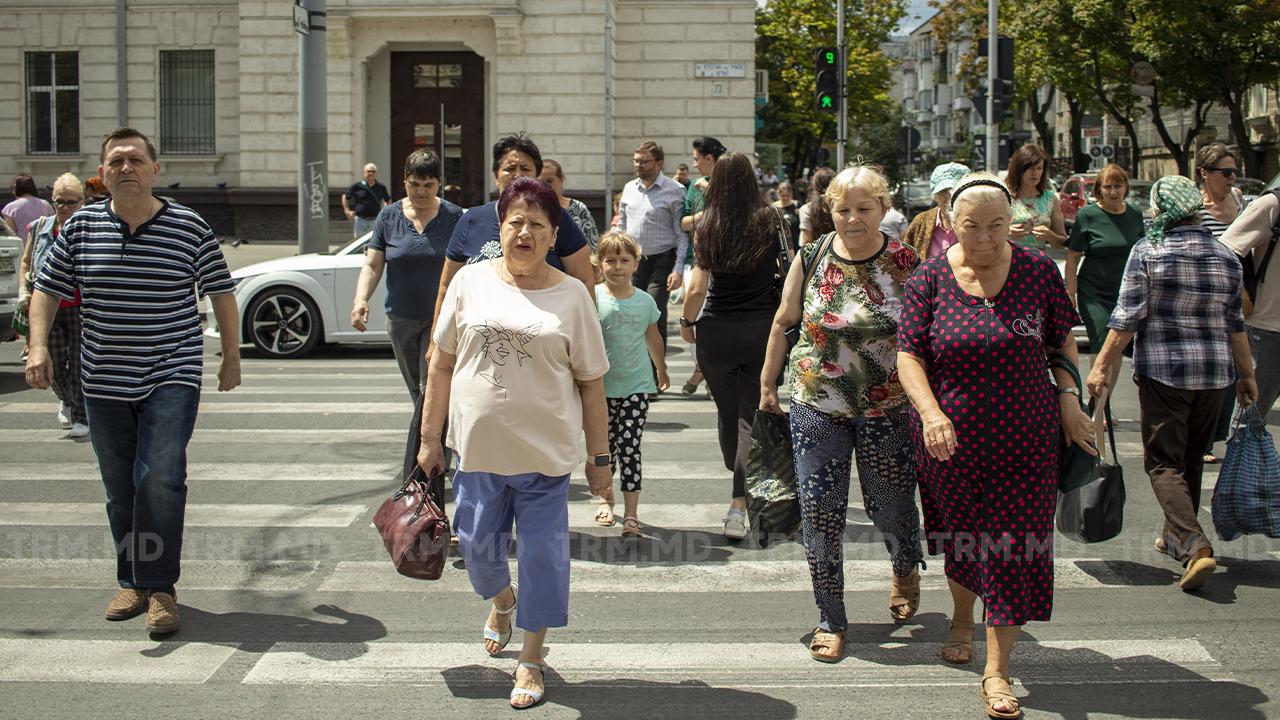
53, 102
187, 117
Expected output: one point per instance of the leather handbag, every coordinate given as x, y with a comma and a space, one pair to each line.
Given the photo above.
413, 527
1076, 467
1095, 512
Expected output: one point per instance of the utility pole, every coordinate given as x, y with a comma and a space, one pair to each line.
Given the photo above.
608, 114
842, 120
313, 128
993, 120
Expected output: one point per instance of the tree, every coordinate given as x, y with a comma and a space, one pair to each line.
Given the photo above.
787, 34
1227, 46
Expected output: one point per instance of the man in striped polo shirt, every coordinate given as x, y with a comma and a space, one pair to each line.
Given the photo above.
140, 264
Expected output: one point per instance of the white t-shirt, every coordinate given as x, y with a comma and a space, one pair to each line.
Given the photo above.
894, 224
514, 407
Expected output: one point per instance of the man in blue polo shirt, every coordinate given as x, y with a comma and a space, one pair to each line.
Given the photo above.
140, 264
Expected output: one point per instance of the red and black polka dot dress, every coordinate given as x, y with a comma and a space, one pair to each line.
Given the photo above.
990, 508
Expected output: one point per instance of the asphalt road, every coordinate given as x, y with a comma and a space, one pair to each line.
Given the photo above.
290, 607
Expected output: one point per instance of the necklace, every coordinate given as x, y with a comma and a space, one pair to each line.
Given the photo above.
537, 285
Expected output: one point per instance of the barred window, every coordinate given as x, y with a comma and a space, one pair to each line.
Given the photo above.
53, 102
186, 102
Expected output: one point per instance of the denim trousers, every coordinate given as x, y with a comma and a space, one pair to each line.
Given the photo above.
363, 225
1264, 345
142, 453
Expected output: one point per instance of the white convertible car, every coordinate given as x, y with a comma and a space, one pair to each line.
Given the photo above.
288, 306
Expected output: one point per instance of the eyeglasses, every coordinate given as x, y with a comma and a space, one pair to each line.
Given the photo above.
1226, 172
67, 203
641, 161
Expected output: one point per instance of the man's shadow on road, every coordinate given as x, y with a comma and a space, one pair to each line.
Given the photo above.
258, 632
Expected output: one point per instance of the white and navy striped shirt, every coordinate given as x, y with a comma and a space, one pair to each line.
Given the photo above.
139, 293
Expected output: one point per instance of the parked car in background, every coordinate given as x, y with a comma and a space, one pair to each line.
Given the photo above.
1077, 192
1140, 199
290, 305
913, 198
1250, 188
10, 263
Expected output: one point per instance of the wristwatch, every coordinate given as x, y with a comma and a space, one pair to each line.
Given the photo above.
1069, 391
600, 460
684, 322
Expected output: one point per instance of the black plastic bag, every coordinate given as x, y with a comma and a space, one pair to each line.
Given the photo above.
1095, 513
773, 507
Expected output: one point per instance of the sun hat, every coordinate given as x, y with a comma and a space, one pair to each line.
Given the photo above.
946, 177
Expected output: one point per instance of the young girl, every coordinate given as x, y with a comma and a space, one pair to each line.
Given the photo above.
629, 320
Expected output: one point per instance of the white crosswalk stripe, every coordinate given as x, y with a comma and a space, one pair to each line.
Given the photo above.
758, 665
197, 515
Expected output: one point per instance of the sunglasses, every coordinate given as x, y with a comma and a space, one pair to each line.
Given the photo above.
1226, 172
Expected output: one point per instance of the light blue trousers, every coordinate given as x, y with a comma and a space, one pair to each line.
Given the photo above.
539, 505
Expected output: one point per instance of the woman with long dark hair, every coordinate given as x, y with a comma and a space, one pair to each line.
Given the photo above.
815, 216
736, 258
1037, 215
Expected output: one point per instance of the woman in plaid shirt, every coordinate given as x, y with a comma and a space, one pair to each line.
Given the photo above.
1181, 295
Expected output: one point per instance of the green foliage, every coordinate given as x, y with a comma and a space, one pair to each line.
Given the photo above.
877, 140
787, 33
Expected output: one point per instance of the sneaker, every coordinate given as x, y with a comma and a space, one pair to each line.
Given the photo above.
63, 417
128, 603
735, 525
162, 613
79, 430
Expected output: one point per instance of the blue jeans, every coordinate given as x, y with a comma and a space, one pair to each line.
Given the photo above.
363, 225
1264, 345
142, 453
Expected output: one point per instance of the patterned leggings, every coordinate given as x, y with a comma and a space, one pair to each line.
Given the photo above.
824, 446
626, 425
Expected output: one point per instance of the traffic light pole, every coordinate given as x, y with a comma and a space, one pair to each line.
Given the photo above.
842, 117
993, 120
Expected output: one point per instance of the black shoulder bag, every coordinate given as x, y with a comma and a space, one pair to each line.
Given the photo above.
824, 244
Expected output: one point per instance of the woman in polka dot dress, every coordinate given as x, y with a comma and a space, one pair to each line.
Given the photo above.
972, 342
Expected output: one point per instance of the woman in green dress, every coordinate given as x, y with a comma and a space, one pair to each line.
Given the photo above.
1104, 233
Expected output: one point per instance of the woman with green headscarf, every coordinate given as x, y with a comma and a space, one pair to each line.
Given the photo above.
1181, 295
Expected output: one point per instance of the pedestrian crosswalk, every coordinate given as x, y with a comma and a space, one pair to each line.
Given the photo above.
287, 471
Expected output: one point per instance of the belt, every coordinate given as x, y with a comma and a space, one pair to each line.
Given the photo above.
657, 255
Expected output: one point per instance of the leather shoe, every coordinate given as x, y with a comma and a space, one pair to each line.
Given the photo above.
128, 603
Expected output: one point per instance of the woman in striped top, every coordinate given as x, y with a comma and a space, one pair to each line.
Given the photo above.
1218, 167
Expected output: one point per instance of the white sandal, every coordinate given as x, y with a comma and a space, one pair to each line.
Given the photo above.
537, 695
500, 638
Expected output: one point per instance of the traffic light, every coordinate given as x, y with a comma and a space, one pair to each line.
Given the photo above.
1003, 91
826, 96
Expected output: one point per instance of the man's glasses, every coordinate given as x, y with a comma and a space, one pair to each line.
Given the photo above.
1226, 172
641, 161
67, 203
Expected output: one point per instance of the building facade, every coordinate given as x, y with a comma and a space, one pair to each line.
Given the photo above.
215, 84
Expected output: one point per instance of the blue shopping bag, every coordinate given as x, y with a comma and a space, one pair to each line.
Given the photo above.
1247, 498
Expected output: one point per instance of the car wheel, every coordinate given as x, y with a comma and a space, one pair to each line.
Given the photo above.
284, 323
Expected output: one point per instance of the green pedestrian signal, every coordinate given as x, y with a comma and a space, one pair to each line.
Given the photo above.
827, 80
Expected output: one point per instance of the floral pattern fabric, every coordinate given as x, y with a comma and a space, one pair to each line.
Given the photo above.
846, 360
1034, 211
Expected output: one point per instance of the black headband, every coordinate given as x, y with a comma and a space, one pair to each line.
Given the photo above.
980, 181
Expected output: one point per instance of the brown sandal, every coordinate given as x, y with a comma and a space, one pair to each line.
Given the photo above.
823, 640
954, 641
1006, 696
904, 599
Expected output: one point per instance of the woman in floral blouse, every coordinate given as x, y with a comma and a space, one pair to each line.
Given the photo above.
846, 398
